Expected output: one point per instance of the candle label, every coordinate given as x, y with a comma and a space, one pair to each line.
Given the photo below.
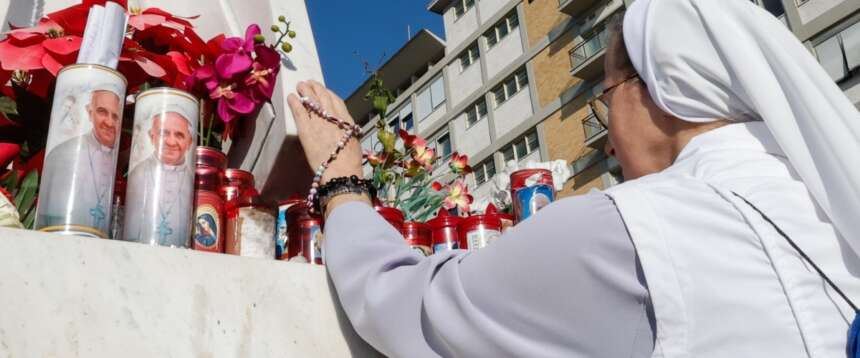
424, 250
77, 185
529, 200
480, 238
207, 223
445, 246
282, 233
314, 252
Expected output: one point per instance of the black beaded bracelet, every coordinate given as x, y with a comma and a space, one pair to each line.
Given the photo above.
340, 186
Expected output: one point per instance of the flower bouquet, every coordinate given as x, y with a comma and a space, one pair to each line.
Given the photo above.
409, 179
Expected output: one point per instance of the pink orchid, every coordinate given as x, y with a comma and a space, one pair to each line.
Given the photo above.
458, 197
231, 103
236, 57
260, 81
460, 164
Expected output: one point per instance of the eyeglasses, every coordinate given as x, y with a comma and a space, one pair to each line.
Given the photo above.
599, 105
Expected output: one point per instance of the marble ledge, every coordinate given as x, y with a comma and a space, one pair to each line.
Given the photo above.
77, 297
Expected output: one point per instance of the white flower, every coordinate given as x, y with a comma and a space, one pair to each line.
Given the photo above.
9, 214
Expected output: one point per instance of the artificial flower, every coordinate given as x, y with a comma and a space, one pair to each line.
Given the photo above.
458, 197
236, 57
8, 213
460, 164
260, 81
423, 154
8, 153
374, 159
409, 139
231, 103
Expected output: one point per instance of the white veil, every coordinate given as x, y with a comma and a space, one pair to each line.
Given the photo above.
730, 59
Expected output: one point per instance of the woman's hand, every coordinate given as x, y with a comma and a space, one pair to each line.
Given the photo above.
319, 137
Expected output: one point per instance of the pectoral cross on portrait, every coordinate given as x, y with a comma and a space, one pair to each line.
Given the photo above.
164, 229
98, 214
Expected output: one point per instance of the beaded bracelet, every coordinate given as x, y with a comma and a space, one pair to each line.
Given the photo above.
350, 130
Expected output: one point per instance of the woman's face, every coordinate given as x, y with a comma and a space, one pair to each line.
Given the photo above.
638, 130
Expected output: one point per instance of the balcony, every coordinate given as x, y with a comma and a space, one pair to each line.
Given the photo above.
586, 59
575, 7
595, 133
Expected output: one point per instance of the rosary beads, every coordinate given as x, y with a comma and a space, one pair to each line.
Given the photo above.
350, 130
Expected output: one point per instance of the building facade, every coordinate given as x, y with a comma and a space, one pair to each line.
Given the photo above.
513, 79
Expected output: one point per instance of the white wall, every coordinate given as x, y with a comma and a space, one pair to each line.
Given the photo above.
69, 296
432, 119
457, 30
471, 140
504, 52
814, 8
463, 83
491, 7
513, 112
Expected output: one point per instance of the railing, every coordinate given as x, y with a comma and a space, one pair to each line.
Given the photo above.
592, 127
588, 48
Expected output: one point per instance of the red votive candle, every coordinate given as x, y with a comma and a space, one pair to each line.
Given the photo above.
393, 216
418, 236
209, 211
305, 235
531, 190
478, 231
443, 232
211, 157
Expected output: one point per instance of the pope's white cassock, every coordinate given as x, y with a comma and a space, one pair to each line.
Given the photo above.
163, 202
84, 167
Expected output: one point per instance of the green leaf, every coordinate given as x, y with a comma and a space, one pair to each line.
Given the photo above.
26, 196
11, 182
8, 106
29, 220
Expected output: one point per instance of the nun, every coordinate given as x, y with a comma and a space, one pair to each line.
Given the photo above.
735, 233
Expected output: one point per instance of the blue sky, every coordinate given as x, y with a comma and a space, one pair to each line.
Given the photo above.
371, 27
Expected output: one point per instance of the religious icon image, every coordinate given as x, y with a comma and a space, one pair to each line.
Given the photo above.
205, 232
80, 164
160, 190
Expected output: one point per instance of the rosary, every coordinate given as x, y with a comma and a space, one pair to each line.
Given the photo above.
351, 130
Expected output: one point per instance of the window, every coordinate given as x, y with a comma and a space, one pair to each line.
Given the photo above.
476, 112
443, 146
502, 29
401, 118
840, 54
394, 124
774, 7
437, 91
532, 142
431, 98
485, 171
510, 86
593, 43
509, 154
522, 147
461, 7
469, 56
